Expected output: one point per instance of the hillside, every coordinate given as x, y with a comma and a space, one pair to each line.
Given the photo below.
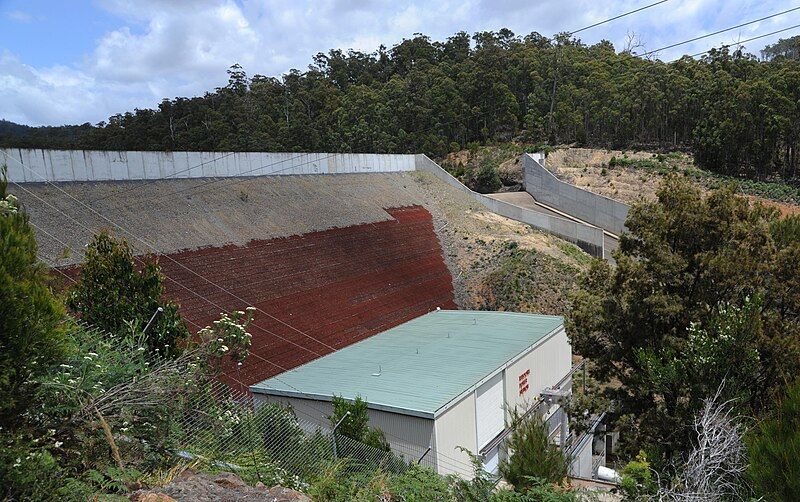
627, 176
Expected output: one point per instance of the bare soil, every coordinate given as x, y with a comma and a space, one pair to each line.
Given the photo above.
589, 169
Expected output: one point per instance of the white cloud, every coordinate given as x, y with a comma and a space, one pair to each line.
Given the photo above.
168, 48
19, 16
191, 46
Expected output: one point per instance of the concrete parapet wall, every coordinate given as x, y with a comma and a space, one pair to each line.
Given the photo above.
94, 165
606, 213
588, 238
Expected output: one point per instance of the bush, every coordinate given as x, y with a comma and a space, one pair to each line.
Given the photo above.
112, 293
637, 479
774, 449
356, 425
486, 179
32, 337
530, 457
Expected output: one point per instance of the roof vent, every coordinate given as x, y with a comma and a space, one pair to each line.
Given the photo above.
380, 370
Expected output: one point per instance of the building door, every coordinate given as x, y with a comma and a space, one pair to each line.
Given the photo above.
489, 412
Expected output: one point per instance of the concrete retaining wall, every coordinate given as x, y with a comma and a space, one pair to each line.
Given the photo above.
588, 238
587, 206
92, 165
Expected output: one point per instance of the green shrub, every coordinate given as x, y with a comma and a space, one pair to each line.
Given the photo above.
637, 479
356, 424
112, 293
32, 337
774, 448
530, 457
487, 179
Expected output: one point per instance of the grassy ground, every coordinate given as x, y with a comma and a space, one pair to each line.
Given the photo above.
629, 176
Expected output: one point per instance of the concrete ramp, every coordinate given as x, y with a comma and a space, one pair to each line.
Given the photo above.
526, 200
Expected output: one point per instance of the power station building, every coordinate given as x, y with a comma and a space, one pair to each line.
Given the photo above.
445, 380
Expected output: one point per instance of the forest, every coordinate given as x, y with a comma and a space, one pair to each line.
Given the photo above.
736, 113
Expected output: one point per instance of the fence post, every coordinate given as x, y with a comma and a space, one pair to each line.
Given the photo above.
333, 435
153, 318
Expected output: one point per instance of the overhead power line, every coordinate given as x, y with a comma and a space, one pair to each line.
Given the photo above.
747, 40
617, 17
719, 31
168, 257
551, 122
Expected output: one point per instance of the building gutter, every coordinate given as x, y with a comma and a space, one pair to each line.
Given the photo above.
328, 398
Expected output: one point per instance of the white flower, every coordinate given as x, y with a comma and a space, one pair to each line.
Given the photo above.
59, 443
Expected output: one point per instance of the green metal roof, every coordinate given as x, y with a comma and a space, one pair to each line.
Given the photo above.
420, 366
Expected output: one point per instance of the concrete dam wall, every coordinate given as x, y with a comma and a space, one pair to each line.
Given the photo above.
606, 213
36, 166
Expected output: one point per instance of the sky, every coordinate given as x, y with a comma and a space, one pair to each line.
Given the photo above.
77, 61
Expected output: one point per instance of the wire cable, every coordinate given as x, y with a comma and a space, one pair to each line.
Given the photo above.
742, 41
198, 295
718, 32
616, 17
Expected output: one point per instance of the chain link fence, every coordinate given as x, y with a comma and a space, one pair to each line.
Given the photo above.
223, 428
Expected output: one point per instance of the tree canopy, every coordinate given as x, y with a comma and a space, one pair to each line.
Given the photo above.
737, 113
705, 289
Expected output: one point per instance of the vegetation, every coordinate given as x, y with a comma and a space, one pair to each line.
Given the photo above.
480, 167
704, 290
525, 280
531, 459
774, 449
738, 114
32, 336
113, 294
85, 411
785, 48
355, 425
773, 189
637, 481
